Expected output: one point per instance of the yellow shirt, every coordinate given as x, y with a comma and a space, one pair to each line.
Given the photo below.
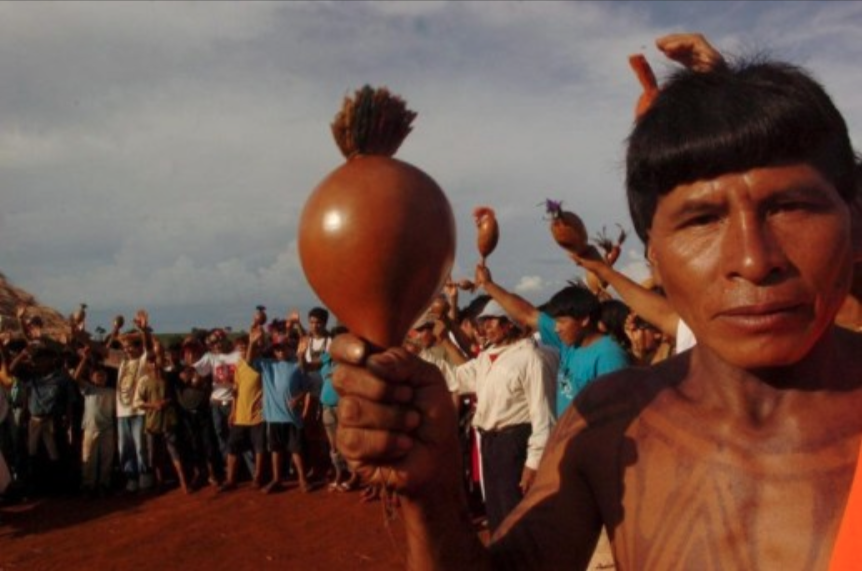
248, 404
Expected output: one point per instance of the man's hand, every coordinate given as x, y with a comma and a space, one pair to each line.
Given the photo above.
302, 347
528, 476
450, 290
692, 51
397, 423
142, 320
255, 334
592, 261
483, 276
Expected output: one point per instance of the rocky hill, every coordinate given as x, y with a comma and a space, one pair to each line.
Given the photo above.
11, 297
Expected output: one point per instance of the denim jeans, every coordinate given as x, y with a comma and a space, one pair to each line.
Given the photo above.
132, 446
220, 416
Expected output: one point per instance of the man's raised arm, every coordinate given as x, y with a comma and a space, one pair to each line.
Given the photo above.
519, 309
398, 428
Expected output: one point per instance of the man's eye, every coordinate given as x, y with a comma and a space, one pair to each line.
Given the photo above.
701, 220
790, 207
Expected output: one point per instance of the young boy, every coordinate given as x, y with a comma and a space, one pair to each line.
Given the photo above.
156, 399
286, 392
100, 412
246, 418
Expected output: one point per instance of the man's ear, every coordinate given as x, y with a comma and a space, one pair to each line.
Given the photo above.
654, 266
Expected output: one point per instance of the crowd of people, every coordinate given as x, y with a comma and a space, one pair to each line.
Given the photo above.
128, 412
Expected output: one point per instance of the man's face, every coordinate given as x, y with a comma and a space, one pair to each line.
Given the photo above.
283, 352
192, 354
756, 263
217, 344
496, 329
423, 336
316, 326
570, 328
472, 331
99, 378
411, 342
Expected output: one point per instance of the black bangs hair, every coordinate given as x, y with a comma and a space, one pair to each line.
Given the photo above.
752, 114
575, 301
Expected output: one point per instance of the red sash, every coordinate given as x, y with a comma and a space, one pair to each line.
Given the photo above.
847, 553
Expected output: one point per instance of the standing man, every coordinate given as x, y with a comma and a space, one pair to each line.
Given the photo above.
285, 398
513, 410
39, 369
742, 453
317, 341
219, 363
132, 366
571, 326
247, 429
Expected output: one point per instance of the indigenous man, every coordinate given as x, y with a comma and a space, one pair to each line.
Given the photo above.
513, 387
738, 454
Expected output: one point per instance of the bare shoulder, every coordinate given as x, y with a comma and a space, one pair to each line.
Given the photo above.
614, 401
578, 487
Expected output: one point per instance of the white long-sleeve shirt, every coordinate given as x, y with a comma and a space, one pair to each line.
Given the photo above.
513, 385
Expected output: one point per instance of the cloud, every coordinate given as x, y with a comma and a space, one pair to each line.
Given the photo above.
530, 284
160, 154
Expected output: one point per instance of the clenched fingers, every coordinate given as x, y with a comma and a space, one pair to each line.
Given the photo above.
350, 380
368, 446
356, 412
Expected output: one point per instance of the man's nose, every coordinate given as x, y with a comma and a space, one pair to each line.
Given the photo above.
751, 249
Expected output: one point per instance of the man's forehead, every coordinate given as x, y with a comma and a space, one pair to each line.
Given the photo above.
759, 183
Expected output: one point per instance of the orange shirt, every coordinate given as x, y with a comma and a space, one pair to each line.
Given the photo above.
847, 553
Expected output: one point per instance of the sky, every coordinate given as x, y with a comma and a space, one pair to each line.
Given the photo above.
158, 155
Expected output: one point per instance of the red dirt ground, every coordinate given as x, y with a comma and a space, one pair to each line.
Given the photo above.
242, 529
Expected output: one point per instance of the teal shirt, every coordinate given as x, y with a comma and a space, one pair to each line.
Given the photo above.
579, 366
328, 396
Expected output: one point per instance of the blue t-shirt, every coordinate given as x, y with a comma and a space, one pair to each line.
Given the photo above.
580, 365
282, 381
328, 396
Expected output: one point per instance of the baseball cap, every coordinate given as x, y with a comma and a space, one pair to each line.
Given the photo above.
492, 309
